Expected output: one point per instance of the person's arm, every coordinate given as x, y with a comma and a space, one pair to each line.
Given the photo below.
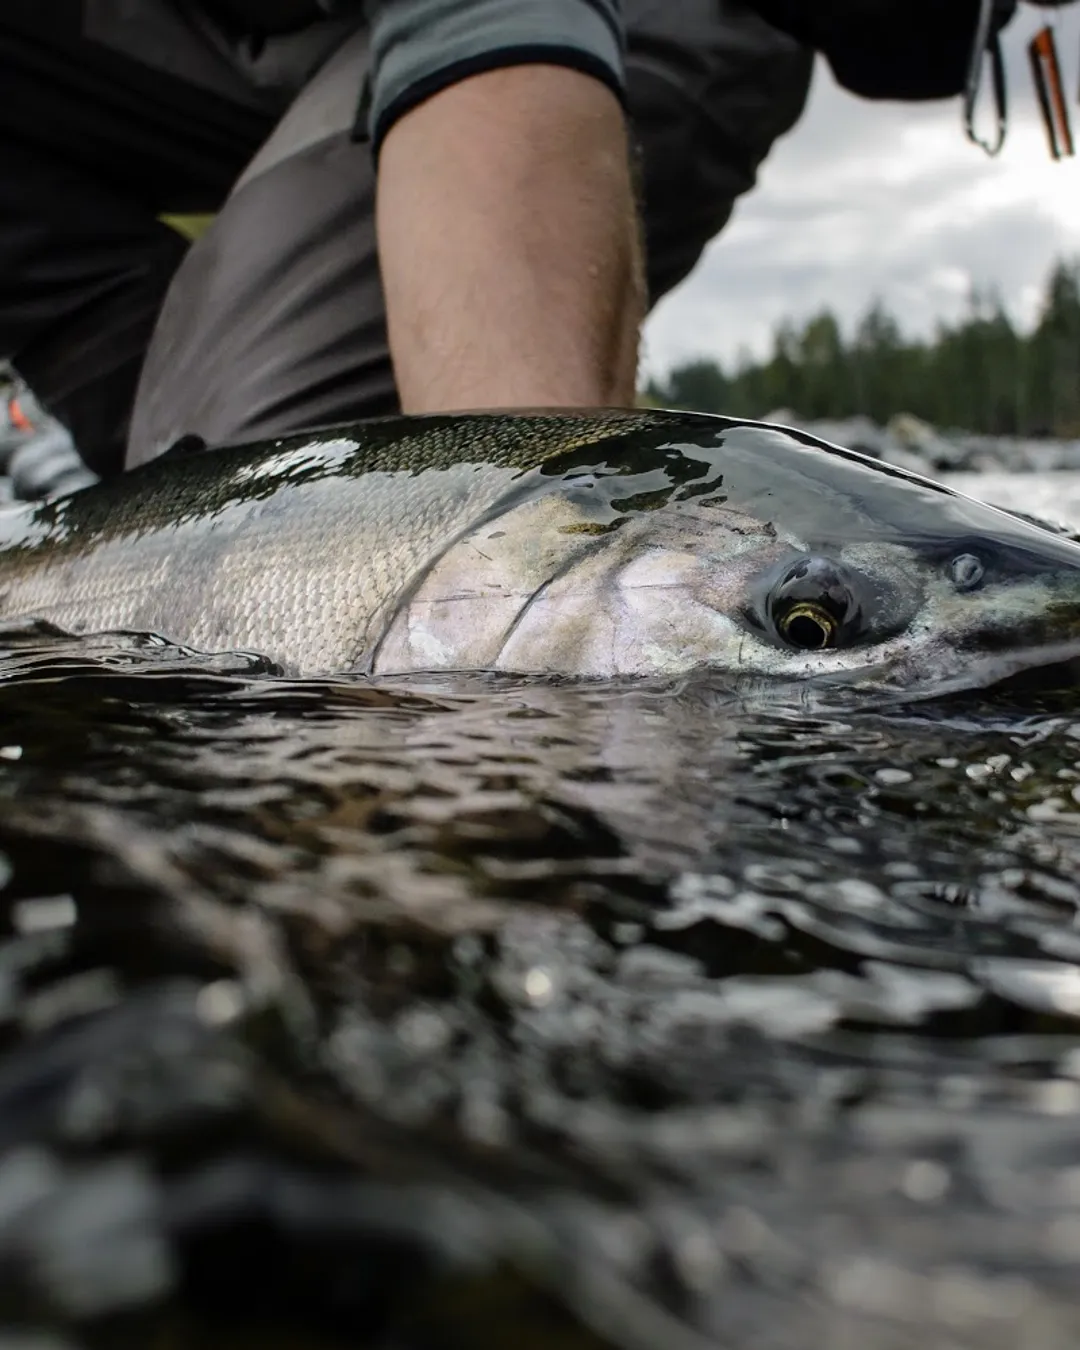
508, 234
508, 241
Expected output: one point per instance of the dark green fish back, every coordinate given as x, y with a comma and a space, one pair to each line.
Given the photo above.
511, 440
199, 484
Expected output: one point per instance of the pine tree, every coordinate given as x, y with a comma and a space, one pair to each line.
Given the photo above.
979, 373
1054, 356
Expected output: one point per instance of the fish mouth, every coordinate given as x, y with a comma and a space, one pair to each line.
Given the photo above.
1057, 665
1039, 667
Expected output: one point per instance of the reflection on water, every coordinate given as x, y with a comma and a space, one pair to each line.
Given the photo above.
490, 1013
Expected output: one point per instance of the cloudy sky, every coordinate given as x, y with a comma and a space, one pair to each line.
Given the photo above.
867, 200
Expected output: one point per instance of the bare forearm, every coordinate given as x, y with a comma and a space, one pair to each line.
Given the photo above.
509, 244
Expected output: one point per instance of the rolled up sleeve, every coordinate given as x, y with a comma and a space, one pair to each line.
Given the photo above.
421, 46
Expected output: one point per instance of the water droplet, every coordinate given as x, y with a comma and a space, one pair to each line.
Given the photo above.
925, 1181
219, 1002
539, 987
44, 914
893, 777
423, 1030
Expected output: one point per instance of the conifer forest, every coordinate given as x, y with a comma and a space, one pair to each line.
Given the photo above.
981, 373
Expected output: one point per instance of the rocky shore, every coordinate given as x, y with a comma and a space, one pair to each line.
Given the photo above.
913, 444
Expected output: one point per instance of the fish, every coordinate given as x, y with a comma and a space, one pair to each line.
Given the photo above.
594, 544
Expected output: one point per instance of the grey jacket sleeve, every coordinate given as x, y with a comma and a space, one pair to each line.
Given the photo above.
420, 46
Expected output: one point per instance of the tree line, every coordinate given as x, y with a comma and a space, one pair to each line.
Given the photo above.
980, 374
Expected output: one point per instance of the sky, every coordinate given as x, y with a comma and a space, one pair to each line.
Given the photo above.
866, 200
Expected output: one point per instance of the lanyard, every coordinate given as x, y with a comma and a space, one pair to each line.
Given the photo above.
1042, 52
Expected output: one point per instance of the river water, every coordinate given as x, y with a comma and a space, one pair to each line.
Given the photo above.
489, 1013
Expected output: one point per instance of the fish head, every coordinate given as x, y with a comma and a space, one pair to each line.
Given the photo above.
748, 549
962, 611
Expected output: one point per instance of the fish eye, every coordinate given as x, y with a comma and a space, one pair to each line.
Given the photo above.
814, 604
966, 571
808, 626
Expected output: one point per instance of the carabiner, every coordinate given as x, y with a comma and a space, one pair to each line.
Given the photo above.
986, 40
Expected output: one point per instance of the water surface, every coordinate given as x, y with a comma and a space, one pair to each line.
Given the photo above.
482, 1013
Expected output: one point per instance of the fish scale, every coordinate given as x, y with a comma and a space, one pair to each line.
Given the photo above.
586, 543
294, 548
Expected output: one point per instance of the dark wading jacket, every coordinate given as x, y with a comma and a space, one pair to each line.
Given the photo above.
900, 49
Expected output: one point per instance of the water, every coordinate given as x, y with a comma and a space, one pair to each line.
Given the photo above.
484, 1013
